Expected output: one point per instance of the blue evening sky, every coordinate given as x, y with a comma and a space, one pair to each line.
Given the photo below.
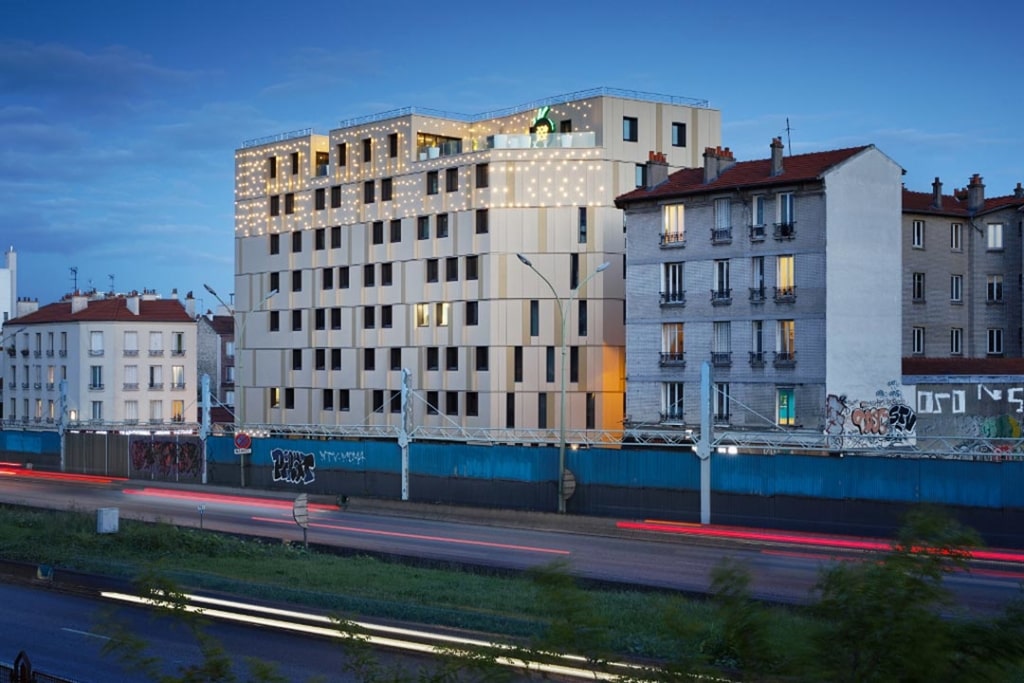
119, 119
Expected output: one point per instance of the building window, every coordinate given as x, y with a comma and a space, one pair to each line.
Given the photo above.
442, 225
385, 189
272, 166
275, 205
472, 313
472, 268
432, 184
482, 359
917, 341
451, 403
956, 288
721, 343
472, 404
995, 341
320, 239
396, 401
994, 289
917, 238
451, 180
289, 203
542, 411
393, 145
574, 271
785, 399
517, 364
640, 175
721, 292
785, 277
296, 280
369, 359
295, 163
956, 236
629, 128
395, 358
327, 402
95, 344
275, 243
396, 231
673, 347
344, 403
386, 274
336, 237
327, 278
422, 312
386, 316
534, 317
441, 314
368, 192
510, 410
342, 277
785, 341
320, 359
994, 236
451, 358
482, 226
296, 359
720, 401
95, 377
581, 225
342, 151
367, 149
432, 269
672, 291
377, 228
786, 210
369, 317
320, 198
582, 323
672, 401
433, 356
917, 293
274, 323
678, 134
451, 269
549, 363
758, 216
423, 227
335, 196
956, 337
336, 318
296, 321
672, 224
433, 398
483, 176
574, 364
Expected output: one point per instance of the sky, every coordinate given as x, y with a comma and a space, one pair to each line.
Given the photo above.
119, 119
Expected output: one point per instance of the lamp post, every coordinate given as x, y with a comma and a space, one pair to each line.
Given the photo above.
563, 305
240, 414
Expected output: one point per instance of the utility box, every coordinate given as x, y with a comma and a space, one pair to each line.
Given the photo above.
106, 520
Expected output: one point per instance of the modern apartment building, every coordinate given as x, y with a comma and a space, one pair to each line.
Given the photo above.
962, 272
783, 273
125, 359
391, 244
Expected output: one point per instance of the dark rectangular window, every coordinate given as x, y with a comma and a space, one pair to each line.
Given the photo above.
297, 321
641, 176
423, 227
629, 128
385, 189
432, 270
296, 359
378, 400
336, 318
534, 317
342, 154
483, 175
289, 203
342, 277
335, 196
549, 363
396, 358
296, 280
328, 399
320, 198
574, 364
275, 205
272, 166
679, 135
369, 317
275, 321
451, 180
336, 237
517, 364
367, 149
275, 281
320, 239
393, 145
482, 359
320, 319
378, 232
472, 268
320, 359
432, 400
275, 243
472, 403
396, 230
295, 163
396, 401
591, 411
574, 271
565, 126
369, 192
343, 400
451, 269
369, 359
451, 403
581, 318
451, 358
275, 398
581, 230
472, 313
289, 398
368, 275
327, 278
297, 242
335, 359
482, 222
386, 274
386, 316
542, 411
432, 358
510, 411
442, 225
431, 182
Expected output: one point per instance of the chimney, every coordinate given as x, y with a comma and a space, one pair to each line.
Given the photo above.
717, 160
132, 301
936, 194
776, 147
190, 305
79, 302
657, 169
1018, 192
975, 193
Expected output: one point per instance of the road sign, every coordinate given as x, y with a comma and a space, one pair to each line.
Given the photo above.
568, 484
243, 443
300, 510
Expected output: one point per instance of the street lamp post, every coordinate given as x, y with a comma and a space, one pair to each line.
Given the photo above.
563, 305
239, 415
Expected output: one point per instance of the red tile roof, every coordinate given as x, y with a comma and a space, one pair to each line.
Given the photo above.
795, 168
112, 309
224, 325
921, 202
963, 366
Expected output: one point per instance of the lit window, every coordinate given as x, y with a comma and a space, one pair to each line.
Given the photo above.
422, 315
442, 314
672, 224
994, 232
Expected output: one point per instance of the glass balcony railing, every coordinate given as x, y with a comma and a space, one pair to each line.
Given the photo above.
578, 140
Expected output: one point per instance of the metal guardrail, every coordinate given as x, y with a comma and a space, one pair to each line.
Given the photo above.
278, 137
21, 671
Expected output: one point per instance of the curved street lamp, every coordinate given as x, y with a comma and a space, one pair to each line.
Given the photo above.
563, 304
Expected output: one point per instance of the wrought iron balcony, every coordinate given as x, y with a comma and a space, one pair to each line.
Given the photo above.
784, 359
673, 358
721, 297
785, 295
673, 239
672, 416
785, 231
721, 235
757, 359
721, 359
673, 298
757, 295
757, 233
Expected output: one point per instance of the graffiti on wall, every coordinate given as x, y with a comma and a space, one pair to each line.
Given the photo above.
293, 467
165, 459
954, 401
342, 457
885, 420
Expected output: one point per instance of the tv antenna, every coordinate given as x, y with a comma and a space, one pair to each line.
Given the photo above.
789, 142
74, 278
111, 276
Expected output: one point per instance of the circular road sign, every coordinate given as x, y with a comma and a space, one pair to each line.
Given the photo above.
242, 440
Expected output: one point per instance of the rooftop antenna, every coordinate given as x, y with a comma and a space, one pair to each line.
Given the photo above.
789, 142
74, 278
111, 276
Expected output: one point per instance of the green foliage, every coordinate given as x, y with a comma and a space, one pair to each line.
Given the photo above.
575, 624
743, 639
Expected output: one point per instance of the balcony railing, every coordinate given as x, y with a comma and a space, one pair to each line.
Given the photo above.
673, 298
757, 359
24, 385
757, 295
156, 352
177, 386
63, 353
673, 239
49, 386
785, 295
673, 358
178, 352
37, 353
95, 387
37, 385
672, 416
49, 353
131, 353
721, 235
757, 233
784, 359
95, 352
131, 386
721, 359
156, 386
785, 231
721, 297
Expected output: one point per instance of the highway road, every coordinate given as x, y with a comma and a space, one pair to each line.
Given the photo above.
785, 567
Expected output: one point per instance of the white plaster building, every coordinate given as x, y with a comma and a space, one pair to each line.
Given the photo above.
784, 273
126, 359
392, 242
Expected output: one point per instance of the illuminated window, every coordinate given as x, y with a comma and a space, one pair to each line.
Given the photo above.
442, 314
673, 226
994, 236
422, 315
785, 400
786, 279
